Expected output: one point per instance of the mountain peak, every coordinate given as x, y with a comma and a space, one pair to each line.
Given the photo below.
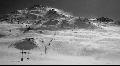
47, 16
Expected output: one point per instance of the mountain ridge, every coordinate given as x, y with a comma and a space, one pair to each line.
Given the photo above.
49, 17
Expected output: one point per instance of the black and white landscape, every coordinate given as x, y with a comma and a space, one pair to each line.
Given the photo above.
46, 35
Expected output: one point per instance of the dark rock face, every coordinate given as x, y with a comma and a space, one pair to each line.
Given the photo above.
81, 23
117, 22
104, 19
51, 22
4, 18
65, 25
1, 35
52, 14
26, 44
31, 17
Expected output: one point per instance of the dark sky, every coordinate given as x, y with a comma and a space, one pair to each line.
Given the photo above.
86, 8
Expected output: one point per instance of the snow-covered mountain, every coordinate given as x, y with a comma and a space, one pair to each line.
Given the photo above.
48, 18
